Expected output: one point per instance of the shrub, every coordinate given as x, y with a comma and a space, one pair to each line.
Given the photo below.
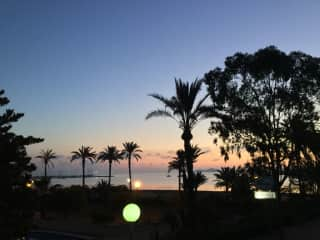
102, 215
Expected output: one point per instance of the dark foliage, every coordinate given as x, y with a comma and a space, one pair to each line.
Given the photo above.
16, 202
265, 102
131, 150
110, 154
187, 112
84, 153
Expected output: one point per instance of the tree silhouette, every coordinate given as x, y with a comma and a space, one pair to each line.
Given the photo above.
225, 177
16, 203
187, 113
131, 150
199, 179
46, 156
257, 97
178, 164
83, 153
305, 154
110, 154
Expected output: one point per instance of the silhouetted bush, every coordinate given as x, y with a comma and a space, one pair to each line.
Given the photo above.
42, 184
77, 197
241, 189
102, 215
65, 200
119, 188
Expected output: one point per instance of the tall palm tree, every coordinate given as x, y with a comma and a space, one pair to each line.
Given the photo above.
131, 150
83, 153
110, 154
187, 113
46, 156
178, 164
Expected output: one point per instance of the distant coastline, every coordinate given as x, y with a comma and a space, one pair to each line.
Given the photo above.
74, 176
209, 170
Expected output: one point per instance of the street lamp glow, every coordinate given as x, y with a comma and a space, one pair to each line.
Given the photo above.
131, 212
29, 184
137, 184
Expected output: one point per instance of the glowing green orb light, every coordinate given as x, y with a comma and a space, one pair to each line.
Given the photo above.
131, 212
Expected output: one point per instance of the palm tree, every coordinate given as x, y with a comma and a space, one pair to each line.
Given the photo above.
131, 150
199, 179
178, 164
225, 177
187, 113
84, 153
110, 154
46, 156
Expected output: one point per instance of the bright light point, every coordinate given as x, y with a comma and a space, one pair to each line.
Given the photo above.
137, 184
264, 195
131, 212
29, 184
128, 180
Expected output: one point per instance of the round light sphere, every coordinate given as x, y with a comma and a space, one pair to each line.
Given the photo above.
131, 212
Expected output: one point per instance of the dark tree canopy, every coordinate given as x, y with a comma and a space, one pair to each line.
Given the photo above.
15, 201
265, 102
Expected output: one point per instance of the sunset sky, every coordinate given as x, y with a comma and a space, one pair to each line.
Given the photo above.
81, 71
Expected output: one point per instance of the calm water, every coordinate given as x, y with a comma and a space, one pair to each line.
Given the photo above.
149, 181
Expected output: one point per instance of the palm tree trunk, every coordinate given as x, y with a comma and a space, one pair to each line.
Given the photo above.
83, 171
109, 183
189, 189
179, 180
184, 178
129, 166
187, 136
45, 170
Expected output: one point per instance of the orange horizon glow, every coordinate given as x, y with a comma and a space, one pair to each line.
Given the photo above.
153, 140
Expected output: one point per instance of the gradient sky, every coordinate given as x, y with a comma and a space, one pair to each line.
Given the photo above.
81, 70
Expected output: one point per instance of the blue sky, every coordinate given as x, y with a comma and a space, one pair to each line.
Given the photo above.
81, 70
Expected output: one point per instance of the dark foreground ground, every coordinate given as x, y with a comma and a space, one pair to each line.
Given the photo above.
309, 230
220, 216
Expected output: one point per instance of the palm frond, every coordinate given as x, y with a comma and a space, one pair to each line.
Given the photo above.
137, 156
131, 149
83, 152
166, 101
111, 153
200, 103
159, 113
50, 164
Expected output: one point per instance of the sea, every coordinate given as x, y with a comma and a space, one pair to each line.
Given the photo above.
141, 180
